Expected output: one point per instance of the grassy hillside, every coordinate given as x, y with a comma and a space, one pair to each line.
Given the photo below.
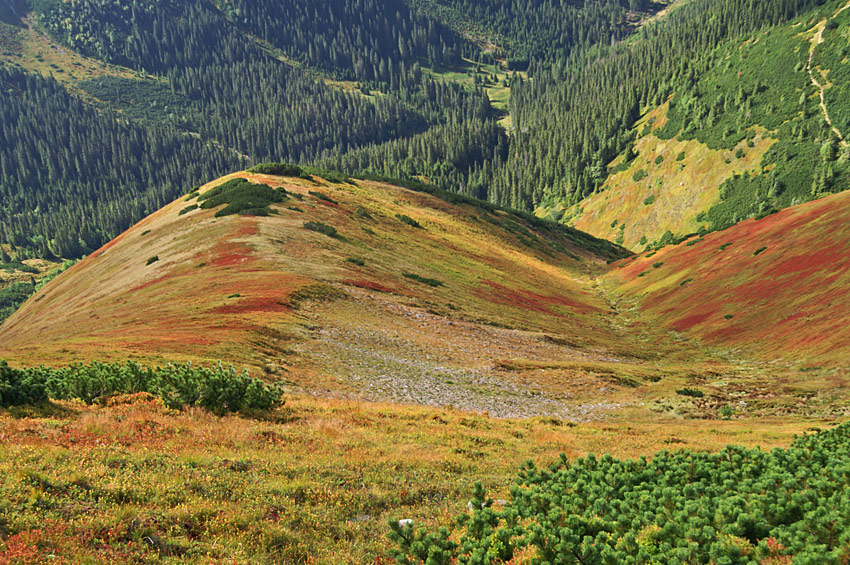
664, 188
774, 287
748, 130
359, 287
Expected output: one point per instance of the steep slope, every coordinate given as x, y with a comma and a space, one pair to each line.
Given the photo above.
752, 125
409, 298
664, 188
776, 287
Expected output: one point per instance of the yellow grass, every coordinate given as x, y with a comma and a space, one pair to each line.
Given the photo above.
318, 486
682, 189
36, 52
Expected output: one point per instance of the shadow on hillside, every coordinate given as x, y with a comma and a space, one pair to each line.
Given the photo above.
44, 410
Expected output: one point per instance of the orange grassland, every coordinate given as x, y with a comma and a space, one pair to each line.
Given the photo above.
316, 483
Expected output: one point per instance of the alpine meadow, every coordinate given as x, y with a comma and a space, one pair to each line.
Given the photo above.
426, 282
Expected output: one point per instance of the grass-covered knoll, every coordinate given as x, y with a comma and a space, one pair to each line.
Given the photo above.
736, 506
242, 197
491, 282
776, 286
516, 221
217, 389
130, 480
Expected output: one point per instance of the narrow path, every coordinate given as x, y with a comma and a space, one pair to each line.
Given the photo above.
817, 40
11, 5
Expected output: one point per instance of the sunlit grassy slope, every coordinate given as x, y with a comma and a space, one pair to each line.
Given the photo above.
775, 287
677, 179
356, 312
22, 44
761, 128
134, 482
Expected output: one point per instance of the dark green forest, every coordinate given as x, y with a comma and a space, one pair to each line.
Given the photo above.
535, 34
222, 104
221, 86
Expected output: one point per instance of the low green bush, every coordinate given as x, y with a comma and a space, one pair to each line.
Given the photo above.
639, 175
242, 197
693, 392
152, 260
217, 389
322, 196
18, 388
408, 220
738, 505
187, 209
649, 200
424, 280
279, 170
760, 250
321, 227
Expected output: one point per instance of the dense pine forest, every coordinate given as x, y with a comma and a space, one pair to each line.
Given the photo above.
398, 89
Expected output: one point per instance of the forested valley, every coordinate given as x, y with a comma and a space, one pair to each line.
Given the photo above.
403, 89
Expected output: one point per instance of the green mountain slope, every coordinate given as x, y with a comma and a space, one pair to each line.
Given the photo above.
743, 134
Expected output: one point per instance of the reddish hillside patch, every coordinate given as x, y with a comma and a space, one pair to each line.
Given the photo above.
369, 285
246, 227
247, 305
231, 253
152, 282
690, 321
780, 286
529, 300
